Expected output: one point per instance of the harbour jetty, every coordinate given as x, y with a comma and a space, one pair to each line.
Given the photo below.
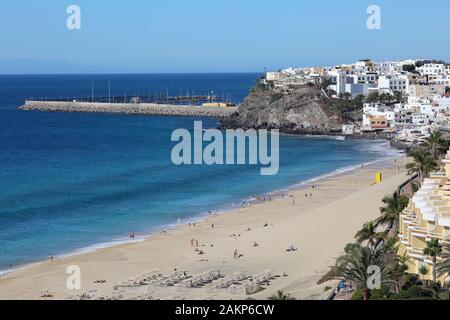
129, 108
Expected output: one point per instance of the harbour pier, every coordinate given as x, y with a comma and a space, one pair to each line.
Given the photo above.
129, 108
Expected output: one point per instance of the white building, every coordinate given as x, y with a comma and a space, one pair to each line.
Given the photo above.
414, 103
442, 79
391, 84
272, 76
419, 119
442, 101
380, 111
387, 68
431, 69
427, 109
341, 81
348, 129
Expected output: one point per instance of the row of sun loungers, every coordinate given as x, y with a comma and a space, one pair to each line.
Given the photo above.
169, 280
141, 280
264, 277
200, 279
234, 279
213, 279
176, 278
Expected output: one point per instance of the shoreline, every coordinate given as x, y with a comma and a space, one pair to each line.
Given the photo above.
28, 269
204, 216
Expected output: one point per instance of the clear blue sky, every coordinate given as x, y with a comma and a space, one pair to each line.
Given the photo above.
220, 35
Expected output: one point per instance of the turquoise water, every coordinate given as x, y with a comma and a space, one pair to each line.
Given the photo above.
74, 181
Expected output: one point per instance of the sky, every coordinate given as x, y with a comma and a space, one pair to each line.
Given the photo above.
179, 36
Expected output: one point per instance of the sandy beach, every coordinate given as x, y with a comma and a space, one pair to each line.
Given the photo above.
167, 265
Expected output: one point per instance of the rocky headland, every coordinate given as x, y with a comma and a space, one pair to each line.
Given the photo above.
303, 110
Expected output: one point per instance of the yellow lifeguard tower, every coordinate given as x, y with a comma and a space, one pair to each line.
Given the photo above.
378, 177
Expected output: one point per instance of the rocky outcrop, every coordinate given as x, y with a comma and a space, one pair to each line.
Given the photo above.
129, 108
303, 111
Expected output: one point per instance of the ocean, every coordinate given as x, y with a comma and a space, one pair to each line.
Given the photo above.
72, 182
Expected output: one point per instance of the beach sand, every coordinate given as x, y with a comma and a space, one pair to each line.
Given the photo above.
319, 227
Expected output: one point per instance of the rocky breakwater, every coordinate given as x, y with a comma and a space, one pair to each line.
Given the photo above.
129, 108
303, 110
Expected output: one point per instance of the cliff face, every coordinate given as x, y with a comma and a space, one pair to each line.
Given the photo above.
305, 110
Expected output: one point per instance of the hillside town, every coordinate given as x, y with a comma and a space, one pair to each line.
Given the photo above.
404, 99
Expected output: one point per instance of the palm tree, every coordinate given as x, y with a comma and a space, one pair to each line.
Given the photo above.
400, 261
393, 206
400, 269
438, 292
280, 296
354, 267
423, 164
444, 267
391, 245
369, 233
423, 271
433, 250
403, 262
435, 144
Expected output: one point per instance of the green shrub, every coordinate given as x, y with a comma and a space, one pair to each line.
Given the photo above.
413, 293
380, 294
357, 295
276, 96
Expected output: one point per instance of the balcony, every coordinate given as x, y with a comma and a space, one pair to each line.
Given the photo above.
444, 221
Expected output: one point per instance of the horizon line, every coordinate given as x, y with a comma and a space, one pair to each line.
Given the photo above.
126, 73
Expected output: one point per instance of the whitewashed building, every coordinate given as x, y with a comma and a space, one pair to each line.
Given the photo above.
431, 69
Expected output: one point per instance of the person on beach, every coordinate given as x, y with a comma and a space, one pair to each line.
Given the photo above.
236, 255
132, 235
192, 242
291, 248
46, 294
